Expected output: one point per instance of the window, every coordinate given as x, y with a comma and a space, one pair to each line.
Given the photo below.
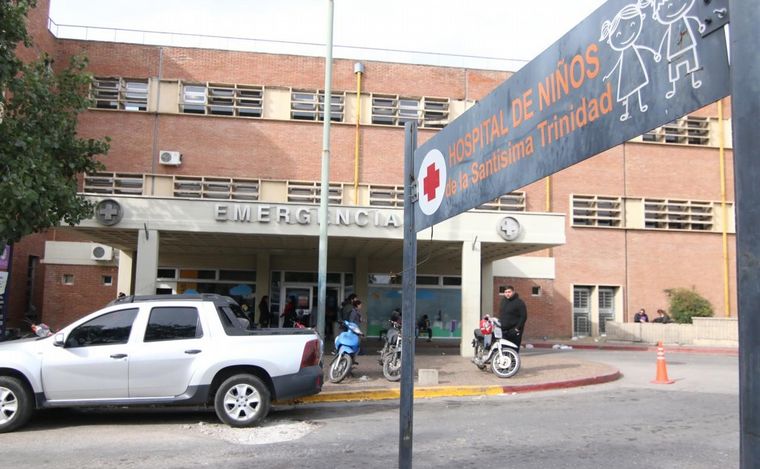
310, 192
113, 183
173, 323
108, 329
222, 99
678, 214
398, 110
107, 280
310, 105
126, 94
386, 196
68, 279
216, 188
512, 202
688, 130
600, 211
535, 291
435, 112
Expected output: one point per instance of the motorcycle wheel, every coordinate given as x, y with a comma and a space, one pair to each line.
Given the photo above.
340, 367
506, 364
479, 355
392, 367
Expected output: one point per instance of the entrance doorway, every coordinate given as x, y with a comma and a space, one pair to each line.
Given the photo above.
581, 311
306, 297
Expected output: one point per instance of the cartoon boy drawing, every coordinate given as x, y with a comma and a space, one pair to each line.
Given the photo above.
621, 34
680, 39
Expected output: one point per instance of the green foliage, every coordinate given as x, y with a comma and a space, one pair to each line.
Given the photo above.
685, 304
40, 153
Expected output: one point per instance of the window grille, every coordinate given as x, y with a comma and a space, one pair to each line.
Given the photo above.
310, 192
435, 112
688, 130
592, 210
386, 196
113, 183
398, 110
126, 94
222, 99
217, 188
678, 214
310, 105
512, 202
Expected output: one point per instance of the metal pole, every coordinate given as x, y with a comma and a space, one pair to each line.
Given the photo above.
745, 102
408, 311
325, 193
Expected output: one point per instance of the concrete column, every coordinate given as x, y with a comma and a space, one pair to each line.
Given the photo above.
263, 281
361, 276
594, 311
124, 278
147, 262
486, 288
471, 288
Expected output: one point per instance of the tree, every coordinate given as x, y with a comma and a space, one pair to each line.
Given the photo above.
40, 153
685, 304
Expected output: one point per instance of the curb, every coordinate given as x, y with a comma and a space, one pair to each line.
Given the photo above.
647, 348
453, 391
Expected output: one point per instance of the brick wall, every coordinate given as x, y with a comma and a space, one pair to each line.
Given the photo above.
545, 318
66, 303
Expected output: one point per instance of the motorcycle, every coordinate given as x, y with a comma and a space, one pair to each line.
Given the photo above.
390, 354
491, 348
346, 348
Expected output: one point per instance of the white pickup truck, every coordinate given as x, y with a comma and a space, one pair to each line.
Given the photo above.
163, 349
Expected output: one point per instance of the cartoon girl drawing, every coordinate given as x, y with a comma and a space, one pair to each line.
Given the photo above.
621, 34
681, 43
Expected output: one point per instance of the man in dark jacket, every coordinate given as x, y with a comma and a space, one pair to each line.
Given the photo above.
512, 314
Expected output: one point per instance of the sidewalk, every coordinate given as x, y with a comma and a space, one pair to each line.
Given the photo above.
541, 369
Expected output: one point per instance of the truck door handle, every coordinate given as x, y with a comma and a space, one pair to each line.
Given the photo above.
192, 351
119, 355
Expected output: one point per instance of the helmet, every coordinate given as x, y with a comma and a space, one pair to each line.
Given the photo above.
485, 326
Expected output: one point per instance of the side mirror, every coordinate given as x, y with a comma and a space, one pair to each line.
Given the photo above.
58, 340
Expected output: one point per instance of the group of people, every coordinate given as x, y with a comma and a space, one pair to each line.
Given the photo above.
662, 317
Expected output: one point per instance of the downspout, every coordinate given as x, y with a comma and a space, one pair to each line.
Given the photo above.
358, 70
724, 208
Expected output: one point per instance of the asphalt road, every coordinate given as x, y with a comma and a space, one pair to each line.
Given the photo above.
629, 423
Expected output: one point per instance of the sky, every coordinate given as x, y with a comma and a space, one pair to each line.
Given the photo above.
496, 34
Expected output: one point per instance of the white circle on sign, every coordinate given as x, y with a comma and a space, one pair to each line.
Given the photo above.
431, 182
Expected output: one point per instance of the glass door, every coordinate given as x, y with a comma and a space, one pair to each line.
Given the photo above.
302, 299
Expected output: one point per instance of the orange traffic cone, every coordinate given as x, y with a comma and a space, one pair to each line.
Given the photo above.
662, 368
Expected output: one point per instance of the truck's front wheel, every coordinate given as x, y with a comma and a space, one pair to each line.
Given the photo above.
242, 401
16, 404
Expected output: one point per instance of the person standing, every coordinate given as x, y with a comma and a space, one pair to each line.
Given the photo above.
264, 315
356, 312
346, 306
289, 313
513, 314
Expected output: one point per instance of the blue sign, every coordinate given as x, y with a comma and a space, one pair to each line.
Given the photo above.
629, 67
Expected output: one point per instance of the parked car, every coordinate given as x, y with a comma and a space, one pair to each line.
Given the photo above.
160, 350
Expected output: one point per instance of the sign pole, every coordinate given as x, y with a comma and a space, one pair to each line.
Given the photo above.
408, 311
745, 104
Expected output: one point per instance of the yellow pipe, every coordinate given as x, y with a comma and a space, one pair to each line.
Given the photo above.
356, 136
721, 143
548, 206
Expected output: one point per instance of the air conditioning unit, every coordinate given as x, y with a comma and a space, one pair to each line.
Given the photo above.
171, 158
101, 252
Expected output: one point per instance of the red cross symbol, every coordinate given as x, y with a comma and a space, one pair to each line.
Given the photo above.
431, 181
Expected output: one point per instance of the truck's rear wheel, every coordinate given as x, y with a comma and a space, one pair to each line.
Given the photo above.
242, 401
16, 405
